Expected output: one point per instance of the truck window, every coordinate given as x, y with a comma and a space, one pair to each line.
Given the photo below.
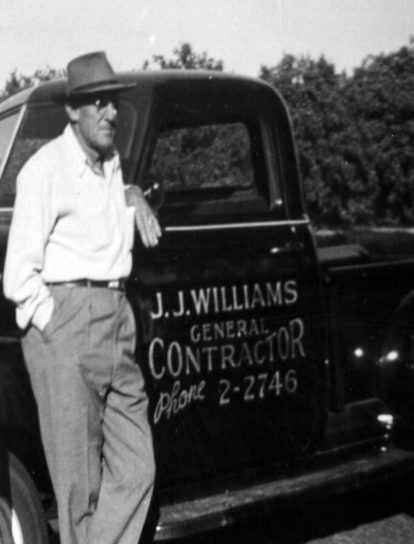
208, 169
7, 127
206, 157
40, 125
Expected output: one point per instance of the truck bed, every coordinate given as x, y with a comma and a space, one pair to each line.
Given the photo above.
369, 245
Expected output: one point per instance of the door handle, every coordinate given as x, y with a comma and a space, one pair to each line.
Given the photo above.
277, 250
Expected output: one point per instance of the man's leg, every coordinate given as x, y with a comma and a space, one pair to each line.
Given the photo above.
90, 396
128, 462
69, 412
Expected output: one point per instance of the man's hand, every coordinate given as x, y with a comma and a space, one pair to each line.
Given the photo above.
145, 219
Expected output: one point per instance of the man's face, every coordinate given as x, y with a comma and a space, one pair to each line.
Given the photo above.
95, 121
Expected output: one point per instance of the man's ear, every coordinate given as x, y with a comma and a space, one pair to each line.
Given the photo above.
72, 112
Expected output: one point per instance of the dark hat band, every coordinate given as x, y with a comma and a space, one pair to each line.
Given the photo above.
101, 87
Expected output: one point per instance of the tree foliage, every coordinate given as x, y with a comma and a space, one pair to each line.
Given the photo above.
185, 58
17, 82
355, 136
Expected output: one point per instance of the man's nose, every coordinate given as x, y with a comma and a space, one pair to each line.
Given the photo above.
111, 110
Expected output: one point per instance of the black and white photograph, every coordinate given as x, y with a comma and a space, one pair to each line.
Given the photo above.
207, 272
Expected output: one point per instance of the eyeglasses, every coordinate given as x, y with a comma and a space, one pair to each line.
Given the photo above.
102, 102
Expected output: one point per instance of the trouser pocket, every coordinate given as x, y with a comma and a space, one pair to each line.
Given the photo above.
70, 316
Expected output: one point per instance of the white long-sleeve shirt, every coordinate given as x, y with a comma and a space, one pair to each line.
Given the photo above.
68, 223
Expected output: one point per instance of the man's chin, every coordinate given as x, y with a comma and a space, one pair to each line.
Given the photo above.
105, 145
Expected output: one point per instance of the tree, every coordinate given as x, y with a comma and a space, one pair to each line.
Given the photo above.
313, 92
355, 136
381, 101
185, 58
17, 82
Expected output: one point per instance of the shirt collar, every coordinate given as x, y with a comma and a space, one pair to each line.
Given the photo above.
81, 161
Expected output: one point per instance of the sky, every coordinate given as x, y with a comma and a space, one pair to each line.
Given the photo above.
244, 34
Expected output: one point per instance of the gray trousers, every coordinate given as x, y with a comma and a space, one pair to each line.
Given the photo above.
93, 415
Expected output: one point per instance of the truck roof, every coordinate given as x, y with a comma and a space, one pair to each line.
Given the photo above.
52, 91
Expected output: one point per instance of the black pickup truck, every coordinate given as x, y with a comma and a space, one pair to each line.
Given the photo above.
278, 360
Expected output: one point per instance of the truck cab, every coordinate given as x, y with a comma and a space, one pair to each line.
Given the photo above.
238, 311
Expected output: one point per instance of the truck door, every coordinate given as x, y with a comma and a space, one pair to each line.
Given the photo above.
228, 304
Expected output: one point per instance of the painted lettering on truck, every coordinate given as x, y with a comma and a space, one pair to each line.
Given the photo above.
221, 347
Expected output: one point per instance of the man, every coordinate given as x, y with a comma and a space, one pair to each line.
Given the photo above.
68, 255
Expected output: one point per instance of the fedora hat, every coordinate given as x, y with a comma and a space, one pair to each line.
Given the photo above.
92, 73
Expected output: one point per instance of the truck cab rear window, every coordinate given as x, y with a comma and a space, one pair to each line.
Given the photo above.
7, 127
206, 169
39, 126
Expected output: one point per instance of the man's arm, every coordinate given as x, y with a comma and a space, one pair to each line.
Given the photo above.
30, 228
145, 219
